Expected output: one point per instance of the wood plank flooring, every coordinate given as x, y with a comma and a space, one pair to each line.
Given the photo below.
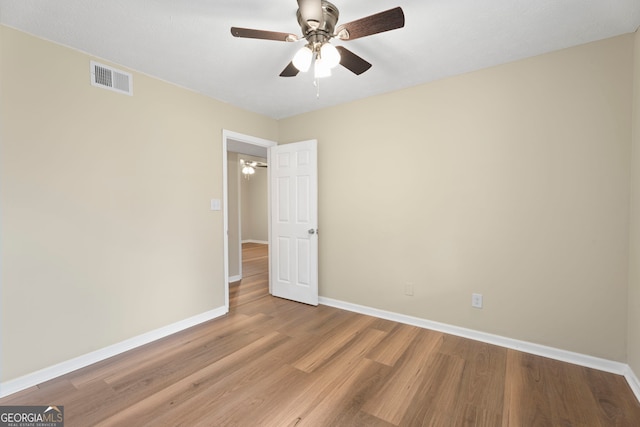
273, 362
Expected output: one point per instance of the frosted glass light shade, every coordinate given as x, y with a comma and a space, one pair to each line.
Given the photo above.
302, 59
321, 69
330, 55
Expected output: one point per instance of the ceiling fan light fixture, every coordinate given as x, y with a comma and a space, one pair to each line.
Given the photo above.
303, 58
321, 69
330, 55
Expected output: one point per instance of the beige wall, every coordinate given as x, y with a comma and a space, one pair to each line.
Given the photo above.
634, 255
511, 181
255, 222
233, 197
106, 227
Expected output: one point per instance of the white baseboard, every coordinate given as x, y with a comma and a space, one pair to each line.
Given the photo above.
46, 374
633, 381
618, 368
235, 278
261, 242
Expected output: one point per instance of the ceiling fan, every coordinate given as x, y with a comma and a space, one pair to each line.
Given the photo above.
248, 167
317, 20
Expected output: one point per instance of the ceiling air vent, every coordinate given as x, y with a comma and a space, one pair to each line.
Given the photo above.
110, 78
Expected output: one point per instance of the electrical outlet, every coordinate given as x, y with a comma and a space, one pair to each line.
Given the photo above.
408, 289
476, 300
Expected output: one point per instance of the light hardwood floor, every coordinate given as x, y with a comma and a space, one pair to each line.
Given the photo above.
273, 362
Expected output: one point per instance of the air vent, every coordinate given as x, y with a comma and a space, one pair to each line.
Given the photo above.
110, 78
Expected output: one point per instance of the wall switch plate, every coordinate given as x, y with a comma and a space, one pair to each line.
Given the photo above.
476, 300
215, 205
408, 289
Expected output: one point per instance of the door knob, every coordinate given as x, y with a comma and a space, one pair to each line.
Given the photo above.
312, 231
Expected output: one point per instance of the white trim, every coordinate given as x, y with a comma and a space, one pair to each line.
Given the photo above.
260, 242
269, 221
235, 278
524, 346
225, 220
46, 374
239, 196
633, 381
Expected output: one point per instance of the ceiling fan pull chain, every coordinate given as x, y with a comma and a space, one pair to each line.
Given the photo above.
317, 85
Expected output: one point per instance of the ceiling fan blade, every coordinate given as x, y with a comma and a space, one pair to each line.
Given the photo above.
352, 62
289, 71
373, 24
262, 34
311, 12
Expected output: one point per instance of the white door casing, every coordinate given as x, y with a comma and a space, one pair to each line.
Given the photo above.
294, 221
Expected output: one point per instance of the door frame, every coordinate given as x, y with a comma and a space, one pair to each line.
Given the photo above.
250, 140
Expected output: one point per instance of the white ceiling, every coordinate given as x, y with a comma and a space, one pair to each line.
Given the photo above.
188, 42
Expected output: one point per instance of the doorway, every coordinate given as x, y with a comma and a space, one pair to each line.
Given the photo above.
242, 145
255, 277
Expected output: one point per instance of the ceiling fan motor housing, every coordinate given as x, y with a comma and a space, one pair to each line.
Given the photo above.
325, 31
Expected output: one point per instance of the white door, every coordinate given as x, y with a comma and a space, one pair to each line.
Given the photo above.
294, 221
